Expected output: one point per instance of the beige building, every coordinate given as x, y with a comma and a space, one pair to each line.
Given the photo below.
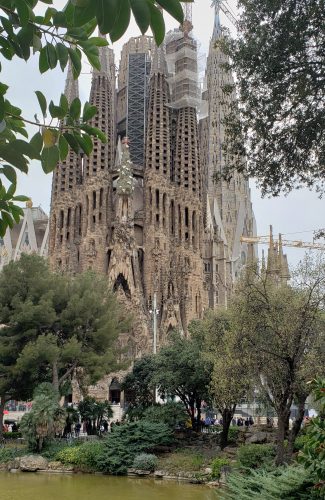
144, 208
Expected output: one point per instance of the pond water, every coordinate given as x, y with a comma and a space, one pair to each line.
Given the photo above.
42, 486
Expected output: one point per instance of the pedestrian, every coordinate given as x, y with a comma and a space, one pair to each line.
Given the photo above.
77, 428
105, 425
251, 421
246, 422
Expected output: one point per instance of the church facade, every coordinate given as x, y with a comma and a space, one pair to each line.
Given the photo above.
144, 207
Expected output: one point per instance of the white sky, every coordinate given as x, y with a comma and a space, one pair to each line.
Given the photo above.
295, 215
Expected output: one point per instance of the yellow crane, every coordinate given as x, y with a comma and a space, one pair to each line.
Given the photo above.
268, 240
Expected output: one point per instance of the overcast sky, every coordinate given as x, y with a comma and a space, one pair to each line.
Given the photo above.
295, 215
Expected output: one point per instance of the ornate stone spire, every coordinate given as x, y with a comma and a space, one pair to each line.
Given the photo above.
71, 85
217, 25
158, 63
124, 186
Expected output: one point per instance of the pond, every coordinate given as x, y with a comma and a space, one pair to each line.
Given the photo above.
43, 486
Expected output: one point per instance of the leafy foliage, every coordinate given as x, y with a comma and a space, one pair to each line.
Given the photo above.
56, 323
283, 329
313, 452
121, 446
278, 123
284, 482
9, 454
83, 456
217, 465
138, 386
255, 456
172, 414
45, 420
93, 412
59, 37
145, 461
180, 370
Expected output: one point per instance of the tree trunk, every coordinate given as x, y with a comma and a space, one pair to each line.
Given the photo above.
55, 376
2, 408
283, 418
296, 425
226, 421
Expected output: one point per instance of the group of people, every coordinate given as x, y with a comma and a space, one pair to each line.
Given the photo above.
10, 427
240, 422
86, 428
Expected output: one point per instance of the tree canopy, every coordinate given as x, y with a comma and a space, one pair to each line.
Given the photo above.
59, 37
54, 325
278, 122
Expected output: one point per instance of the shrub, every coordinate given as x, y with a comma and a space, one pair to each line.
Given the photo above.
84, 456
12, 435
186, 460
172, 414
119, 448
217, 465
282, 483
52, 448
300, 442
253, 456
9, 454
145, 461
233, 435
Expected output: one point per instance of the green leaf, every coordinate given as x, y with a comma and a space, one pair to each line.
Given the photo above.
98, 41
82, 15
16, 212
50, 157
85, 143
21, 198
37, 43
7, 219
63, 55
64, 103
122, 20
9, 154
157, 24
51, 55
25, 40
63, 147
89, 112
75, 108
141, 14
36, 142
42, 102
3, 88
24, 148
23, 11
43, 61
56, 111
174, 8
72, 141
106, 13
9, 172
75, 58
98, 133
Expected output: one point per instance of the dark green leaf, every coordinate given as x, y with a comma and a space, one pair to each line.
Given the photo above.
16, 212
7, 153
85, 143
50, 157
10, 173
42, 102
89, 112
51, 54
73, 143
21, 198
98, 41
23, 11
36, 142
157, 24
82, 15
141, 14
63, 55
106, 13
7, 219
64, 103
63, 147
75, 58
75, 108
56, 111
24, 148
43, 61
122, 20
174, 8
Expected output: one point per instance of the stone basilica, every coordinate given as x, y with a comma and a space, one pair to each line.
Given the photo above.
144, 208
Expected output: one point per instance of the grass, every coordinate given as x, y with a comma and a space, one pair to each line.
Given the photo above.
182, 461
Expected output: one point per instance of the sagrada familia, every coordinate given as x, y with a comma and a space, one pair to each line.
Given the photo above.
144, 208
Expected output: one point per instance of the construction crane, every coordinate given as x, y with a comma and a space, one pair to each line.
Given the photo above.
226, 9
269, 240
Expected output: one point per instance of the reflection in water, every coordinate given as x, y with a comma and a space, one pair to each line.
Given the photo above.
42, 486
